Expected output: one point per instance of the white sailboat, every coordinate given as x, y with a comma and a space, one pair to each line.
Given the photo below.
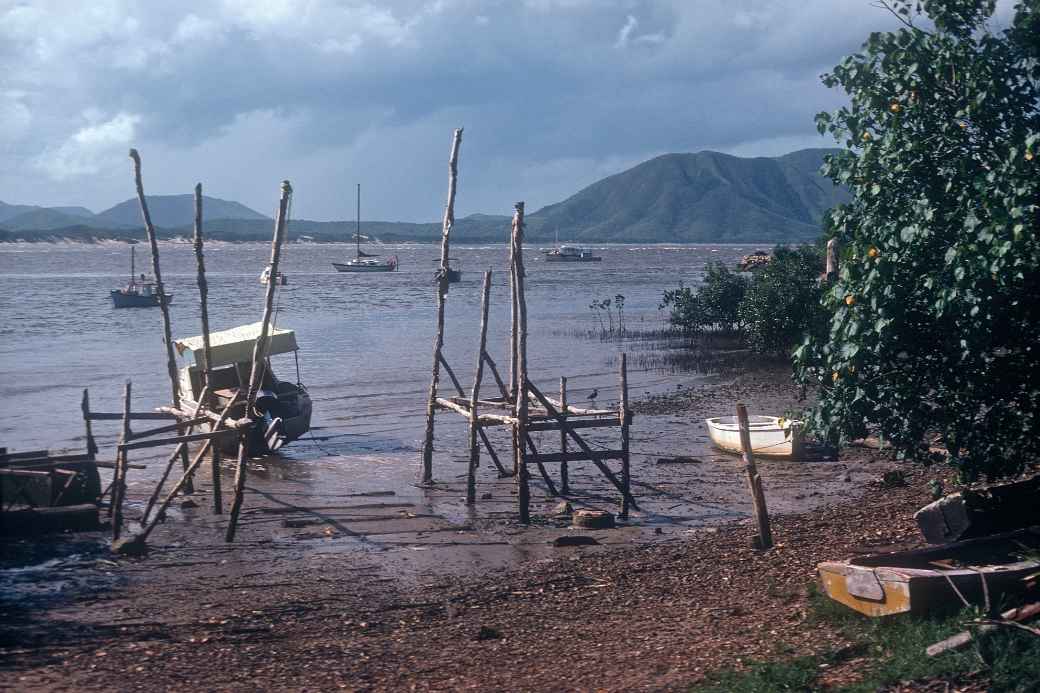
364, 262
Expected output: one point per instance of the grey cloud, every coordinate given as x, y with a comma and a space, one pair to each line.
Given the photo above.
553, 93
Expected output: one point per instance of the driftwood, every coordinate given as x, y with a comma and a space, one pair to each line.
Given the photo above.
764, 540
442, 291
1011, 617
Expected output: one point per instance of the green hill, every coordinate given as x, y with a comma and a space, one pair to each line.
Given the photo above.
696, 198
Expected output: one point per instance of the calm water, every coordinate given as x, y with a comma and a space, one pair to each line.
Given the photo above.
365, 340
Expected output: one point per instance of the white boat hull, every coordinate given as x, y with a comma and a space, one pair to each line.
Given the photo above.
770, 435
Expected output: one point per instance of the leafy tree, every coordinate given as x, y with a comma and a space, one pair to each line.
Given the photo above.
935, 324
782, 302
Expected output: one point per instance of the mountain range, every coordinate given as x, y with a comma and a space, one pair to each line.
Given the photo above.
679, 198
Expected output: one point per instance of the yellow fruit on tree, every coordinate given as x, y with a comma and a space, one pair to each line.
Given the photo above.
850, 300
866, 136
835, 376
873, 252
895, 107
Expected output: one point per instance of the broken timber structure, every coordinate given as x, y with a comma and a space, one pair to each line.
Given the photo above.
521, 405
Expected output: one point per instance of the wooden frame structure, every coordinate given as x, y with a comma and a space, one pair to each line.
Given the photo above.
523, 407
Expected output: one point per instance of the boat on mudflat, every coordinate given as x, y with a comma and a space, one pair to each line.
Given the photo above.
283, 408
771, 436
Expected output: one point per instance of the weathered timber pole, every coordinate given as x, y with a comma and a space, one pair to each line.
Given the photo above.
171, 361
200, 264
523, 495
259, 355
764, 539
92, 447
565, 484
474, 424
624, 418
514, 318
119, 481
442, 292
831, 271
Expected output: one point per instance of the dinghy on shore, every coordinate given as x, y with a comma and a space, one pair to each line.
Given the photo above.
771, 436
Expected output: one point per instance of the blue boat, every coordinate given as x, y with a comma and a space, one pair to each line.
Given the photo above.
139, 292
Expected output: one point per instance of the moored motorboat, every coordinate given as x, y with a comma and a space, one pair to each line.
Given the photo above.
283, 409
771, 436
571, 253
140, 292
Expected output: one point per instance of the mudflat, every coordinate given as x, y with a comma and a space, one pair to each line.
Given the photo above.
367, 588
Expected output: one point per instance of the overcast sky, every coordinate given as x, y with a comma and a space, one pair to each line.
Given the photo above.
553, 95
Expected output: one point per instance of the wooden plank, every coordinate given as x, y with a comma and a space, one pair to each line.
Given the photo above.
190, 438
483, 419
577, 456
134, 416
168, 428
553, 425
454, 379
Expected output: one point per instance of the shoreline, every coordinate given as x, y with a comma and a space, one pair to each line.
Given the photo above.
364, 582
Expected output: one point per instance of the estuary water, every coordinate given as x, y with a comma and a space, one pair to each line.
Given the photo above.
365, 339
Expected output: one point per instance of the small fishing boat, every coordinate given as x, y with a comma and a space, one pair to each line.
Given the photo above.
140, 292
363, 262
771, 436
919, 581
570, 253
283, 408
265, 277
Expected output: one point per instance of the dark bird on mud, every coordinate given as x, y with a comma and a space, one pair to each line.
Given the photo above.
593, 395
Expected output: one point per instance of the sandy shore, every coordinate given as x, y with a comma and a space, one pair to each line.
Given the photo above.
370, 588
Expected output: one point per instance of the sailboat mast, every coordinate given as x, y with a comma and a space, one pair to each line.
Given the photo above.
357, 231
133, 272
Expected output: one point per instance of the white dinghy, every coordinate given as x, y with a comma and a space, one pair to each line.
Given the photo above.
771, 436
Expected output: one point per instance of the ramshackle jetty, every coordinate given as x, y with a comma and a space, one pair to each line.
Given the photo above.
513, 406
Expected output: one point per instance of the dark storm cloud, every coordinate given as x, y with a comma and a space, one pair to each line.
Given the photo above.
553, 94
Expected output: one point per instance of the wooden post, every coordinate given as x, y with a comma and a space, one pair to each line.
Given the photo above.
119, 481
259, 355
92, 447
832, 259
520, 335
200, 263
240, 479
514, 317
171, 361
624, 418
764, 540
442, 291
474, 424
565, 487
